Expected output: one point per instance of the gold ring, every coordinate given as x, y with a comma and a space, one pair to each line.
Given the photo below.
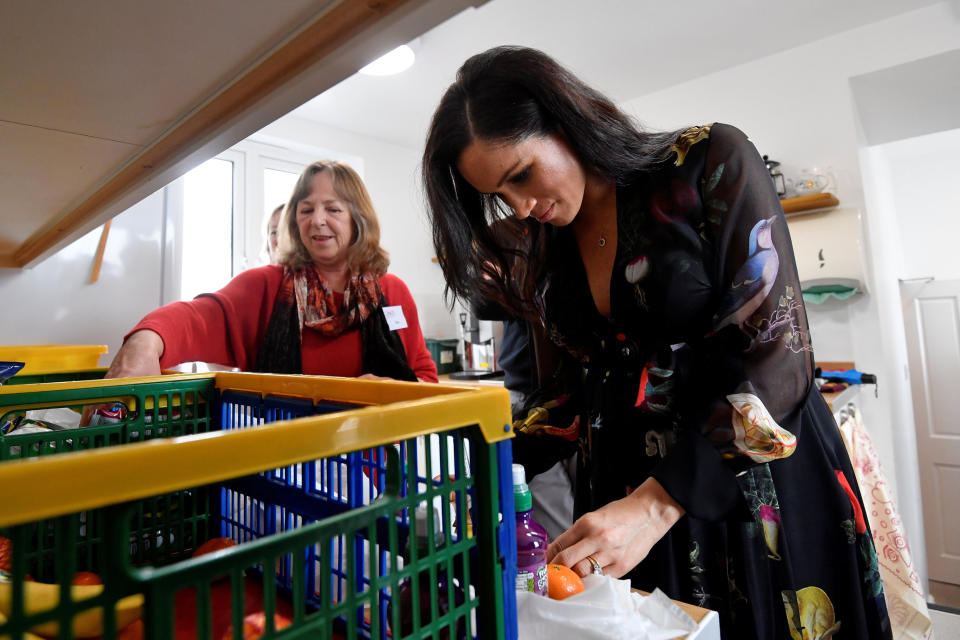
597, 569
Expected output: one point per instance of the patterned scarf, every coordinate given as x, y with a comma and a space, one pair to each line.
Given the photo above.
305, 299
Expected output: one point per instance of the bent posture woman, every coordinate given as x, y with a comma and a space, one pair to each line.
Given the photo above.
709, 464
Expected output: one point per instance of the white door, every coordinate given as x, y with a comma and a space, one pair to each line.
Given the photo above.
932, 320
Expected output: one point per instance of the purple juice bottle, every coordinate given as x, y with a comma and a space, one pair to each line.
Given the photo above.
531, 539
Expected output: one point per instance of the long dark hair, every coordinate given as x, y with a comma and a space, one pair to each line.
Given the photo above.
508, 94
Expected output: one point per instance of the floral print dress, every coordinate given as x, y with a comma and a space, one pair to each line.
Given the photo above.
702, 377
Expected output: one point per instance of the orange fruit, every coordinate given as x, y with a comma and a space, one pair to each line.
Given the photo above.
133, 631
562, 582
86, 577
213, 544
6, 554
255, 625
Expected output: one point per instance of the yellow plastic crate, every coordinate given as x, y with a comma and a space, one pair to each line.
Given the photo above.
321, 507
51, 358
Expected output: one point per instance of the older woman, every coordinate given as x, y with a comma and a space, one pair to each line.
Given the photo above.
328, 307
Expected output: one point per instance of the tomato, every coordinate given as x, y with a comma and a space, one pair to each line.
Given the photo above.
213, 544
133, 631
86, 577
6, 554
255, 625
562, 582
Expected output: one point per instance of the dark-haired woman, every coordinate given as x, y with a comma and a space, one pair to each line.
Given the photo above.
327, 307
660, 264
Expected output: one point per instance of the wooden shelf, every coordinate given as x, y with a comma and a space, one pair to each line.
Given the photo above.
809, 203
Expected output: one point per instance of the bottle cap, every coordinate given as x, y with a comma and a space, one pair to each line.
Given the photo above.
522, 500
519, 475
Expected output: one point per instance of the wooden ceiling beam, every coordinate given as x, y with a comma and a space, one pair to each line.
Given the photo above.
328, 32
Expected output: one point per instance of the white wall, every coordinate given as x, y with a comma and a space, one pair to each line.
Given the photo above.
925, 195
391, 174
54, 303
798, 108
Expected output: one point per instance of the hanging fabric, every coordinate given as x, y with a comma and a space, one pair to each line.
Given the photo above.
909, 616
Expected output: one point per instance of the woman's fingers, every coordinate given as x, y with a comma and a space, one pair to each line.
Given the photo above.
592, 564
584, 557
618, 535
139, 356
553, 549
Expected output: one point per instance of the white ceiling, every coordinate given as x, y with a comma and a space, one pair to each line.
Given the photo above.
625, 48
909, 100
104, 101
86, 85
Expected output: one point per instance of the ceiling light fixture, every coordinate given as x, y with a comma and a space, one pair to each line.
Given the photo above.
393, 62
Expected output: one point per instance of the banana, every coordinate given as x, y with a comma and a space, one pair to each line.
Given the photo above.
42, 596
26, 636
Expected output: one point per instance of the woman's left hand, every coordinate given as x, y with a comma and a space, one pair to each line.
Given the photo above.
618, 535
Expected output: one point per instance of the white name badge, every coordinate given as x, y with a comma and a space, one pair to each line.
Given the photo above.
395, 319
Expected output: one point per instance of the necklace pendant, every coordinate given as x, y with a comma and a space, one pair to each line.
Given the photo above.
602, 241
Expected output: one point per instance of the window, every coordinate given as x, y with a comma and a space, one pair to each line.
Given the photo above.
215, 215
208, 205
279, 178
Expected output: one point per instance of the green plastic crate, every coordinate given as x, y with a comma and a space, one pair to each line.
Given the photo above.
57, 376
155, 407
321, 518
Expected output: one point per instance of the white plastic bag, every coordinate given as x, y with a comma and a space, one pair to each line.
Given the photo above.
63, 417
606, 610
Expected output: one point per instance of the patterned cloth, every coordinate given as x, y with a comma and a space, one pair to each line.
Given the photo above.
909, 615
702, 377
317, 305
306, 300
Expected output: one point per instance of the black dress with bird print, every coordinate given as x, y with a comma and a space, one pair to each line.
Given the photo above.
702, 377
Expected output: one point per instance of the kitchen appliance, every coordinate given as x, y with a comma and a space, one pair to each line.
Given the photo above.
479, 342
779, 182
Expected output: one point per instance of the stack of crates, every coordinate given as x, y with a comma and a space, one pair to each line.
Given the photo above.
316, 480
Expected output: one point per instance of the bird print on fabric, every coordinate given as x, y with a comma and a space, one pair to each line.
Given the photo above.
753, 280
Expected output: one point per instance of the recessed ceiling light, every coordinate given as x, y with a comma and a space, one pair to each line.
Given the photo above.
400, 59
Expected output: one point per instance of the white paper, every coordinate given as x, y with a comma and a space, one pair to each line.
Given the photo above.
394, 316
606, 610
61, 416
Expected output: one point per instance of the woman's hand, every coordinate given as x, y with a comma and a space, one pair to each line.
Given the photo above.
618, 535
139, 356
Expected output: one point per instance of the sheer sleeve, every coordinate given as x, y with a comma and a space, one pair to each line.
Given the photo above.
747, 376
552, 407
